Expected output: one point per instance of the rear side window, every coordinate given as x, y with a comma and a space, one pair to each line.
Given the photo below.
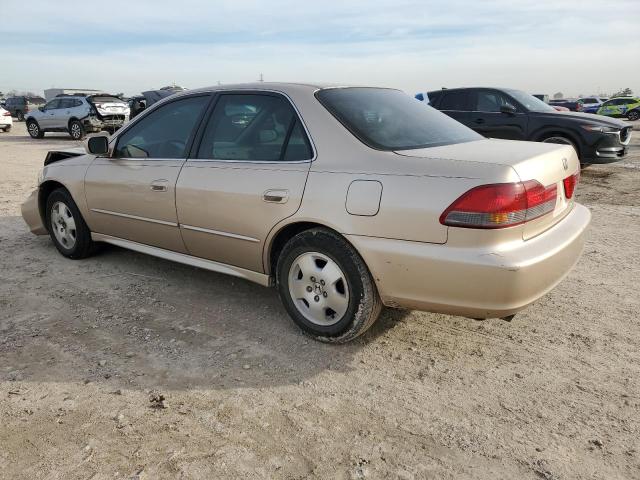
434, 97
386, 119
455, 101
254, 127
163, 133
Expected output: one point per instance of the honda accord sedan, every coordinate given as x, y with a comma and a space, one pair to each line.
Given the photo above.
343, 198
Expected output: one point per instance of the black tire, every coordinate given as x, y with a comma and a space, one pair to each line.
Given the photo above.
7, 128
83, 245
364, 304
20, 116
34, 129
76, 130
633, 115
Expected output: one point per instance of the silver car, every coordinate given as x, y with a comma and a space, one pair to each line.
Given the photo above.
78, 115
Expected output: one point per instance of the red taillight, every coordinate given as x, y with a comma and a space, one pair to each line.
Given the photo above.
570, 184
6, 114
500, 205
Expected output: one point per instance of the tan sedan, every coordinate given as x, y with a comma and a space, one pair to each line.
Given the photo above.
345, 198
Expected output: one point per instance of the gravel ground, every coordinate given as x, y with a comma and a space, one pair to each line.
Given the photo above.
128, 366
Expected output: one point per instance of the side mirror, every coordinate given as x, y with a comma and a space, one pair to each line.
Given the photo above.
41, 109
508, 109
98, 145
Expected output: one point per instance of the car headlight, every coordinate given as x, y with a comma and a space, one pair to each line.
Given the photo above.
600, 129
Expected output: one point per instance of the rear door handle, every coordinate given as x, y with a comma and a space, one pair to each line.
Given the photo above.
479, 121
276, 196
159, 185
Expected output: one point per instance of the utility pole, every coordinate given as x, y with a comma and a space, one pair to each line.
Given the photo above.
261, 78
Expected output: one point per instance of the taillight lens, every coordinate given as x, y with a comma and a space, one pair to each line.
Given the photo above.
570, 184
6, 114
500, 205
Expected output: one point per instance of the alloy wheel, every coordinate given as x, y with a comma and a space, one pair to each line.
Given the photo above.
34, 129
76, 131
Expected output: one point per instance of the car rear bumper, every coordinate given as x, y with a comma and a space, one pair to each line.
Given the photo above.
31, 214
474, 282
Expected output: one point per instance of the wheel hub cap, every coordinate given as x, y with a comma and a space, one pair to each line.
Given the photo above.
63, 225
318, 288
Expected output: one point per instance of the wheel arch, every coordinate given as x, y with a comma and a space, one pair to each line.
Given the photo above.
44, 191
276, 241
552, 132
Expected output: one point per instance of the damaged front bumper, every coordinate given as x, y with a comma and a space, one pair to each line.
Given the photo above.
31, 214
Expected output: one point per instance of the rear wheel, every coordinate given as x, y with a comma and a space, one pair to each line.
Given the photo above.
326, 287
67, 228
633, 115
7, 128
76, 130
34, 129
20, 116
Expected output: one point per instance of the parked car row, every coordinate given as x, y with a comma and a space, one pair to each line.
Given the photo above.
516, 115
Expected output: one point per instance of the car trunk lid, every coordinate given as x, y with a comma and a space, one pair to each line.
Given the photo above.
545, 163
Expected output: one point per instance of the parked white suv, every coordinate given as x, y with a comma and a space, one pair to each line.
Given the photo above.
78, 115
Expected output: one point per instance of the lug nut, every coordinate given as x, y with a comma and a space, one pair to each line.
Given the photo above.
313, 279
309, 288
321, 282
324, 294
316, 298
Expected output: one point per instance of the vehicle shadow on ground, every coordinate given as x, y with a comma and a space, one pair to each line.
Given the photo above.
131, 320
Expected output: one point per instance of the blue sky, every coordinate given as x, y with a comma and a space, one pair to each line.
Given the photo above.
577, 47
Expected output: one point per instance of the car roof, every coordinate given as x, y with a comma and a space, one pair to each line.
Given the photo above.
283, 87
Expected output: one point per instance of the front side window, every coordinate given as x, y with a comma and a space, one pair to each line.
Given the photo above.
386, 119
254, 127
488, 101
53, 104
529, 102
163, 133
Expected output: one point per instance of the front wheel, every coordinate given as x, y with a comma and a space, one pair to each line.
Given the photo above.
326, 287
76, 130
67, 228
633, 115
34, 129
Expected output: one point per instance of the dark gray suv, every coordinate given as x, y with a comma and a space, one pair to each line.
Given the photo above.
20, 106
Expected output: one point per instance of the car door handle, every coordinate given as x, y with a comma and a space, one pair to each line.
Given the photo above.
276, 196
159, 185
479, 121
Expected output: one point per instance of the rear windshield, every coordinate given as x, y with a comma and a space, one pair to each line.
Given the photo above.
105, 99
387, 119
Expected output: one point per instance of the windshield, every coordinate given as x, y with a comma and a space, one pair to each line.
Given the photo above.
387, 119
530, 102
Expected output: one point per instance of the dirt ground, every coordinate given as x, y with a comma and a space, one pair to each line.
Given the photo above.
88, 347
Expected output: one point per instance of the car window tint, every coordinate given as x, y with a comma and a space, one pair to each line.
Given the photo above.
454, 101
163, 133
298, 147
387, 119
53, 104
490, 101
66, 103
252, 127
